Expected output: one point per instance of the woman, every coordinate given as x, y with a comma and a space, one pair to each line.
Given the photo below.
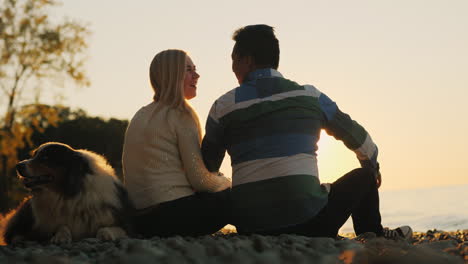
164, 172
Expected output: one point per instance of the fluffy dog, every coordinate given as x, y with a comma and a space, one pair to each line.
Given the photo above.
75, 195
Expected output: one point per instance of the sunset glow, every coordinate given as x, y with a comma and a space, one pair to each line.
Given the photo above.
399, 68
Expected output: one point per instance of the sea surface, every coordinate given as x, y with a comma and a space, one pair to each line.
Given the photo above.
442, 208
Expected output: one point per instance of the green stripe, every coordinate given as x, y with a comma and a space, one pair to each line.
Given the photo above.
270, 86
286, 188
276, 203
301, 105
265, 127
342, 127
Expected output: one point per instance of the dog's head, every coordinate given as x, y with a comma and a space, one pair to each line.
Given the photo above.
55, 167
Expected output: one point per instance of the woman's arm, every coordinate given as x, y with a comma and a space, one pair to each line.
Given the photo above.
189, 147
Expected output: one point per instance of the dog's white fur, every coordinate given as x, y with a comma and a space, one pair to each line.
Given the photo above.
82, 216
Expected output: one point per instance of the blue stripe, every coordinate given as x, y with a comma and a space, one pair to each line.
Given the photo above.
246, 92
214, 131
268, 87
328, 106
273, 146
260, 73
262, 88
248, 89
212, 145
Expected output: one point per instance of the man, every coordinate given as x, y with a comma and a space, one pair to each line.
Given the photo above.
270, 127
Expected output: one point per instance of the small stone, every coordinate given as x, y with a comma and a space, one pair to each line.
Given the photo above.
365, 237
440, 245
91, 240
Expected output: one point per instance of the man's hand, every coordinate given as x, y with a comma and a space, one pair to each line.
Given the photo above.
378, 178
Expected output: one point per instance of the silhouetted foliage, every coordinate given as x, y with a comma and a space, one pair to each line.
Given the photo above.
32, 50
80, 131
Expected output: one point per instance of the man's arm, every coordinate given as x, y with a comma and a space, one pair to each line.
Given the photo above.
213, 148
354, 136
198, 176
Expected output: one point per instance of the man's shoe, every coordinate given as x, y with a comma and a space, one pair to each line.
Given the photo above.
402, 232
365, 236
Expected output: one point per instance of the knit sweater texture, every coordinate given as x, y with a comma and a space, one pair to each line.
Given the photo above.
162, 159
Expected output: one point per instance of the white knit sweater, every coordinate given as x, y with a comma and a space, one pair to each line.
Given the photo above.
162, 159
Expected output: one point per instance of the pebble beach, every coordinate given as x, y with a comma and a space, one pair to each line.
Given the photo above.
433, 246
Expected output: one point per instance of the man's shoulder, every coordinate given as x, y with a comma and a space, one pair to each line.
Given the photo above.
251, 93
290, 86
226, 100
229, 95
312, 90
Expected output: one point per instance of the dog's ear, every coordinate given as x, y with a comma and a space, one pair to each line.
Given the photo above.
74, 182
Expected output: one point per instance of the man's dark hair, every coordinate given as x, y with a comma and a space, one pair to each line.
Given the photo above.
260, 42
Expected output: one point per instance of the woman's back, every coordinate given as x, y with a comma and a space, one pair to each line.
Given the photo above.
152, 164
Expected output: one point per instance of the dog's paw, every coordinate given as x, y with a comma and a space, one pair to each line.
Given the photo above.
62, 236
111, 233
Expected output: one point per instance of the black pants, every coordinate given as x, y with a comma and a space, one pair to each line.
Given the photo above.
356, 195
195, 215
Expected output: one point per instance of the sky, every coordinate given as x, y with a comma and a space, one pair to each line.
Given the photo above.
398, 67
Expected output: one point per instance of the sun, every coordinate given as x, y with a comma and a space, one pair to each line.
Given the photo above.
334, 159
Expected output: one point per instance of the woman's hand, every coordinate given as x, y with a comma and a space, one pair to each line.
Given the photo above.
227, 181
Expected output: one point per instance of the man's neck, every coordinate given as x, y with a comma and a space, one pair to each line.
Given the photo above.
265, 66
261, 73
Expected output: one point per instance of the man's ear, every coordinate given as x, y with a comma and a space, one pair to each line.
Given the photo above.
249, 61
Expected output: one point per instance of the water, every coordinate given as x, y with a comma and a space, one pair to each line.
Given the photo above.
443, 208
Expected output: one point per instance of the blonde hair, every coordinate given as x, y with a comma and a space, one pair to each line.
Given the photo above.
167, 73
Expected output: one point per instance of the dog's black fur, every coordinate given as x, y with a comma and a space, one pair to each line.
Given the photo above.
75, 195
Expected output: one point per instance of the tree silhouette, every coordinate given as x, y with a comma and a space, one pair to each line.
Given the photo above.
32, 50
80, 131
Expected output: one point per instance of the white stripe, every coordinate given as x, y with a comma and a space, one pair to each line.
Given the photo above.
276, 97
275, 73
366, 150
263, 169
315, 92
212, 112
223, 102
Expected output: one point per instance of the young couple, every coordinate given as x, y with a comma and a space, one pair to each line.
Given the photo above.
270, 127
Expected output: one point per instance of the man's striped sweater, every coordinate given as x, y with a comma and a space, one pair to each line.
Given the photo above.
270, 127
